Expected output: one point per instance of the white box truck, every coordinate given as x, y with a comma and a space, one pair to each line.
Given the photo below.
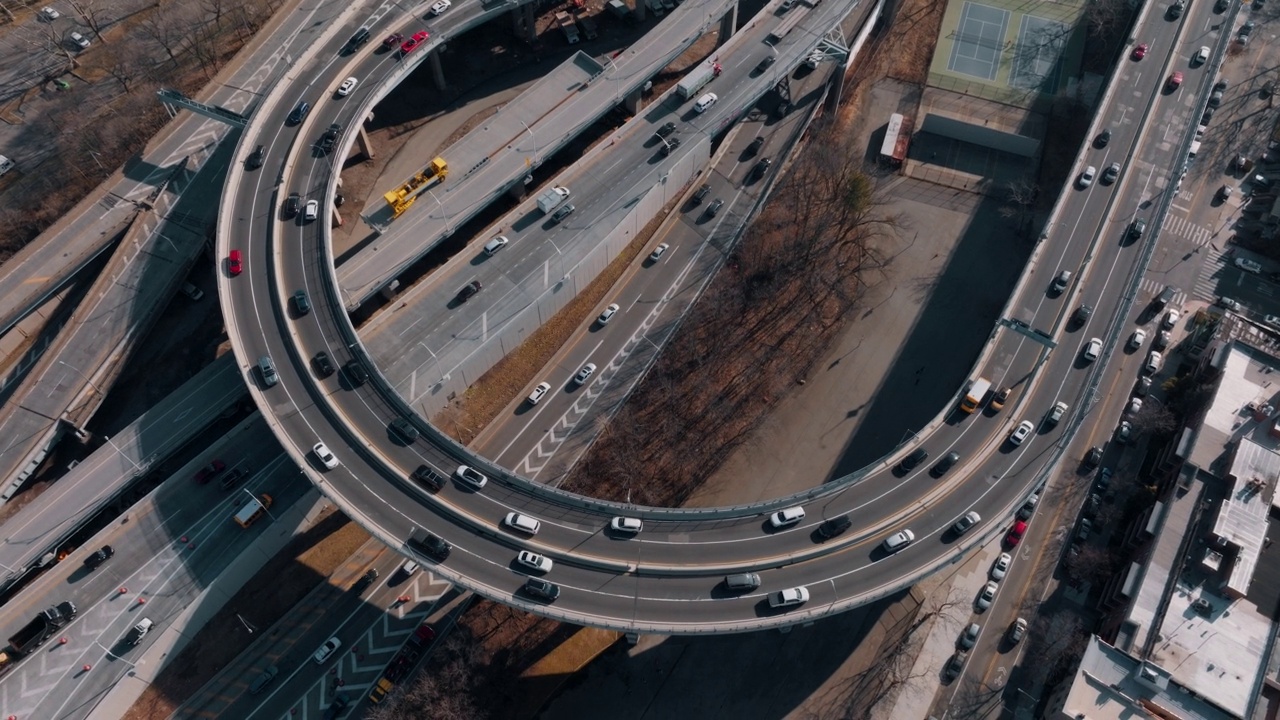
698, 79
551, 199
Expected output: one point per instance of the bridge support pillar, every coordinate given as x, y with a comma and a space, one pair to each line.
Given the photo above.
365, 143
524, 23
632, 102
437, 70
728, 24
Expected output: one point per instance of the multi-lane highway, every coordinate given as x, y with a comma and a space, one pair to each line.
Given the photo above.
639, 582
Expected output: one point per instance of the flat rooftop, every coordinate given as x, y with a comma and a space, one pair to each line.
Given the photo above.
1113, 685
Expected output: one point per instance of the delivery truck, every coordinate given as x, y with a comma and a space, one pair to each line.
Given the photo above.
551, 199
973, 397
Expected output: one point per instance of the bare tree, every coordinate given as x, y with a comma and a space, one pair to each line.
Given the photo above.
1154, 419
166, 31
123, 66
93, 14
1105, 16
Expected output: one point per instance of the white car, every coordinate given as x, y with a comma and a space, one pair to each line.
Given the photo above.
1201, 57
347, 86
1135, 406
1086, 177
326, 650
1137, 339
1248, 265
789, 597
1056, 413
584, 374
1092, 350
1170, 319
987, 596
440, 7
471, 476
787, 516
1153, 363
312, 210
1020, 433
82, 42
49, 14
523, 523
534, 561
325, 456
657, 252
538, 392
898, 540
608, 314
705, 102
626, 525
1001, 566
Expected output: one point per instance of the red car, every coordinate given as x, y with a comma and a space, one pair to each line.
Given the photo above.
1175, 80
1140, 52
1015, 533
392, 40
412, 43
210, 471
234, 263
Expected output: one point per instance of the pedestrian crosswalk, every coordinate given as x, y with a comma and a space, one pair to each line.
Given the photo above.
1184, 228
1206, 287
1152, 288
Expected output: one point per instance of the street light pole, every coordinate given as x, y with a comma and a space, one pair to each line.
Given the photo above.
264, 507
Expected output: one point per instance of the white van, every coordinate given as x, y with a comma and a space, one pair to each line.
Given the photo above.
705, 102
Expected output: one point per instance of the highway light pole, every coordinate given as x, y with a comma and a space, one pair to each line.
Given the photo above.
86, 433
264, 507
536, 160
447, 226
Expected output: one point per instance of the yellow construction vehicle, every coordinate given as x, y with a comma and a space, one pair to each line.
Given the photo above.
402, 197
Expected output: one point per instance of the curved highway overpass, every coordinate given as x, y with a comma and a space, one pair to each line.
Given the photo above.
669, 577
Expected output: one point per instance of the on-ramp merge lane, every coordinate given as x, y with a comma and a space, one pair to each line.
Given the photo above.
840, 574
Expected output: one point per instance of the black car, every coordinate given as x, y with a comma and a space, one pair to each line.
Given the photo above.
360, 38
301, 302
1081, 315
542, 589
755, 146
330, 137
782, 109
567, 209
834, 526
366, 580
1220, 86
1093, 458
233, 478
255, 160
404, 431
299, 113
669, 145
355, 372
102, 555
430, 543
1221, 5
1103, 138
337, 707
291, 205
916, 457
322, 364
701, 194
469, 290
765, 63
761, 168
424, 475
945, 464
666, 130
714, 207
1137, 228
1175, 10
